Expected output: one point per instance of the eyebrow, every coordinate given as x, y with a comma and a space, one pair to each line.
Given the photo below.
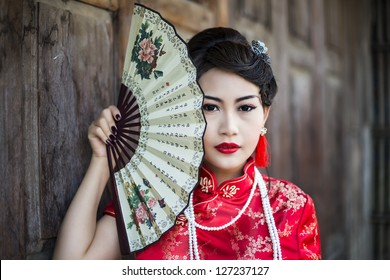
237, 100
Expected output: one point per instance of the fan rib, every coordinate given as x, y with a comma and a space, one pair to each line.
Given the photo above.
129, 112
124, 152
127, 95
128, 131
128, 146
115, 156
119, 154
133, 124
122, 93
130, 118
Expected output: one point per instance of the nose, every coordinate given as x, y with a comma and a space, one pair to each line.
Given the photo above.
228, 124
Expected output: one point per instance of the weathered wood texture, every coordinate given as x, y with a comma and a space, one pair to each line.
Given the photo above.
75, 80
11, 131
357, 105
187, 17
62, 74
60, 63
111, 5
317, 130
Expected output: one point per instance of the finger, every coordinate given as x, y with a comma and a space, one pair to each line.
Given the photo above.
103, 124
95, 131
115, 112
102, 136
108, 115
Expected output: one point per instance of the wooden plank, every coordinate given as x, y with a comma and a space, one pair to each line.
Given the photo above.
279, 128
76, 80
299, 19
11, 131
111, 5
221, 10
31, 181
184, 14
125, 12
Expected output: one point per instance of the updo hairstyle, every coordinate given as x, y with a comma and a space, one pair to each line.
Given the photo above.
226, 49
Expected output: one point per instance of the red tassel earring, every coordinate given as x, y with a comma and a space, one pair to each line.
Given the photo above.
261, 156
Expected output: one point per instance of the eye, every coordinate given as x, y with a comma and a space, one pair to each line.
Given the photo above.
247, 108
210, 107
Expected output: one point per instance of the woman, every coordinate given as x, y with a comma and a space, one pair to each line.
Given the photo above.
232, 213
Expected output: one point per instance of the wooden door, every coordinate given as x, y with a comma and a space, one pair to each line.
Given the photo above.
58, 70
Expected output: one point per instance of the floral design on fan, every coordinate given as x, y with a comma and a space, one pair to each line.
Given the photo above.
146, 52
142, 202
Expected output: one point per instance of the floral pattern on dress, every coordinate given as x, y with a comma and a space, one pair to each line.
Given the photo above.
169, 248
248, 237
253, 244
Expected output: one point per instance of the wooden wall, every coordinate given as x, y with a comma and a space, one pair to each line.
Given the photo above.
357, 129
60, 63
58, 71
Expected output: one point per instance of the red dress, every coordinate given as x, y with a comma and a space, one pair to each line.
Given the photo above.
248, 238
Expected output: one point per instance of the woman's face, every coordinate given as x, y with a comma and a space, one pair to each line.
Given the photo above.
235, 116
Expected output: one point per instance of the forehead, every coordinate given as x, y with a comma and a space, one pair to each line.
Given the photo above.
224, 84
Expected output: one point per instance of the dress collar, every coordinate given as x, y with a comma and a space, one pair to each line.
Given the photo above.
228, 189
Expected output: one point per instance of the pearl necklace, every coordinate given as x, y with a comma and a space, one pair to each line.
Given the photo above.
192, 224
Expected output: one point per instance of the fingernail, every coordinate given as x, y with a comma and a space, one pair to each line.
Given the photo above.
112, 138
114, 130
108, 142
118, 117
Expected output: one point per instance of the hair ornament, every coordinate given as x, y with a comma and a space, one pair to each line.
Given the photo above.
259, 48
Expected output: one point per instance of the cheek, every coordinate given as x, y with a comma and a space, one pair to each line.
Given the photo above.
208, 135
210, 124
252, 137
252, 133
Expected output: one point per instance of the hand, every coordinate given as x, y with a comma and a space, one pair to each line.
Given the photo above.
103, 130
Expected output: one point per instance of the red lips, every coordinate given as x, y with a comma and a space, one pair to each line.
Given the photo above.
227, 148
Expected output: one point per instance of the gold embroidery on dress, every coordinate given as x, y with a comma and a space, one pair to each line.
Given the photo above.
254, 244
172, 243
181, 220
287, 230
210, 211
258, 218
291, 200
311, 255
205, 185
310, 228
229, 191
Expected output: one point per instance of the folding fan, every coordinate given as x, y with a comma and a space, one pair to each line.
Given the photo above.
155, 159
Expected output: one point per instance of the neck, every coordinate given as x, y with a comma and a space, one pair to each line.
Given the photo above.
223, 175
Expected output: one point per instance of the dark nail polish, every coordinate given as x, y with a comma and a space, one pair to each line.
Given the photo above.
118, 117
112, 138
114, 130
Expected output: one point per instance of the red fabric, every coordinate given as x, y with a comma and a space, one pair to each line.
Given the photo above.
248, 238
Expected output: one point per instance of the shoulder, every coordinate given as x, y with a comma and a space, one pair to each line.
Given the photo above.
287, 196
280, 187
296, 219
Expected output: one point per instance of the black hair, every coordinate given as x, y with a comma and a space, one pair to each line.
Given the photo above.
227, 49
